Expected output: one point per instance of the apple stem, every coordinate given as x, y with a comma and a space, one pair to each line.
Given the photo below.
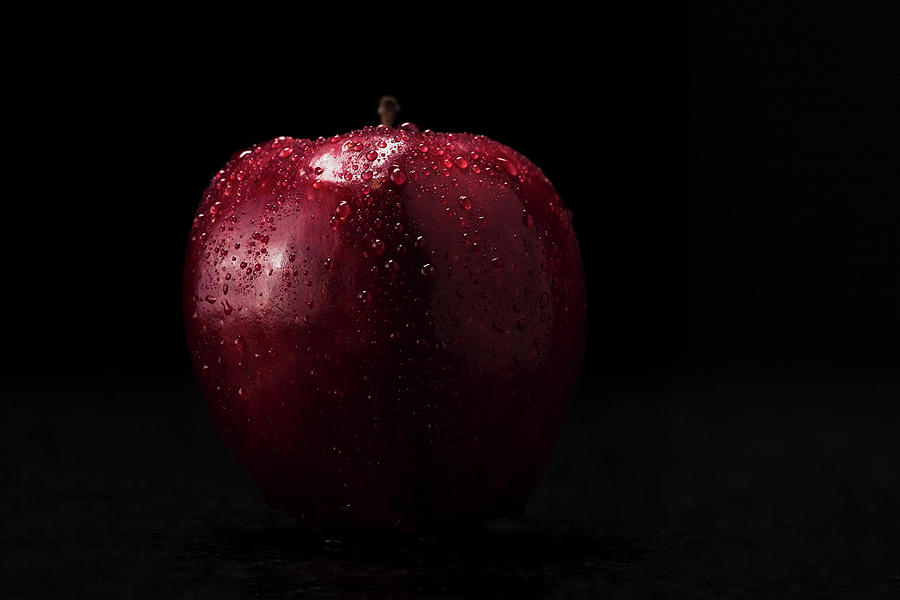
387, 110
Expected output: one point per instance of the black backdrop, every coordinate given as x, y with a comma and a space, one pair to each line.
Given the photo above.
732, 172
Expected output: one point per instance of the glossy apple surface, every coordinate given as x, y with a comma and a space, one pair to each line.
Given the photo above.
386, 325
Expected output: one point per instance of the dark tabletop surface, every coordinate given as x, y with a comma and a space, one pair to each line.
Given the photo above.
718, 489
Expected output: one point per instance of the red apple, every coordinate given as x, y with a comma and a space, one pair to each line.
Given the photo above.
386, 325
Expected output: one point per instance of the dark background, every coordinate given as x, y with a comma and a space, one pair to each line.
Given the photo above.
733, 176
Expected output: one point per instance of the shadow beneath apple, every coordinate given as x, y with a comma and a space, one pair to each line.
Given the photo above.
505, 559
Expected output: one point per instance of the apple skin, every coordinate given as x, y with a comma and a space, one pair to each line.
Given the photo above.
386, 325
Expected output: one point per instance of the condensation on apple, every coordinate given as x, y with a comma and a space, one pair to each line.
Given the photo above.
386, 325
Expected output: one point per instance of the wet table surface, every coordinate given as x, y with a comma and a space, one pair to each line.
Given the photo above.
719, 490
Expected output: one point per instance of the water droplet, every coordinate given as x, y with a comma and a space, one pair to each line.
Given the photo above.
398, 177
285, 152
372, 155
329, 264
409, 127
507, 165
366, 175
527, 219
428, 271
461, 162
420, 241
239, 344
211, 299
378, 246
225, 288
497, 263
465, 202
342, 211
317, 184
382, 144
226, 306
